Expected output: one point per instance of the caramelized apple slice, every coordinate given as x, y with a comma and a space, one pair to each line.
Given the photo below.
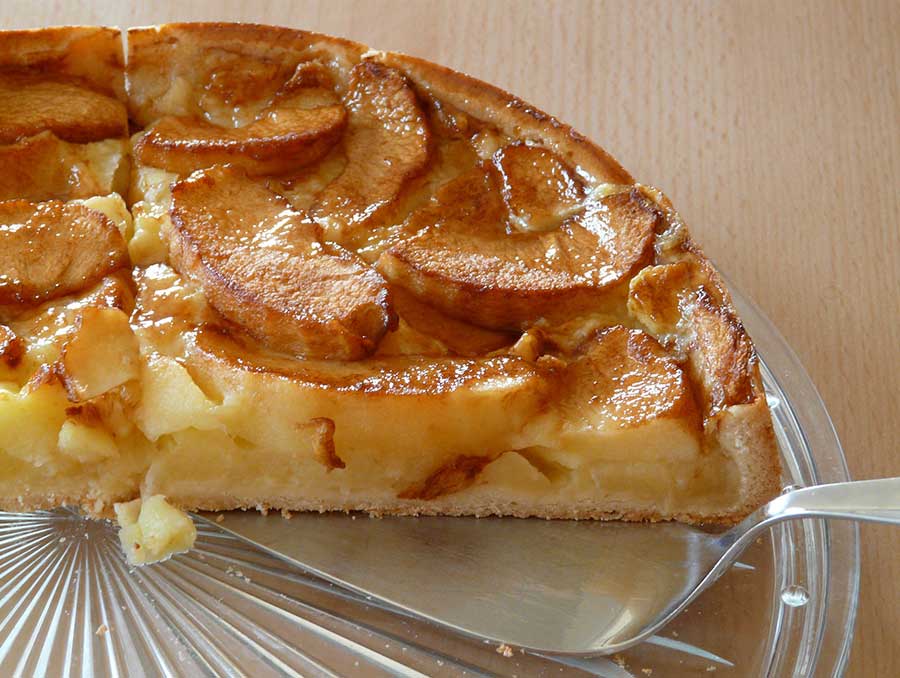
32, 102
470, 257
51, 249
623, 397
718, 350
386, 145
282, 139
490, 378
263, 266
301, 124
538, 188
47, 168
458, 336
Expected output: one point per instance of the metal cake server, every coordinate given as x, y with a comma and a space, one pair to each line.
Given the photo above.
562, 587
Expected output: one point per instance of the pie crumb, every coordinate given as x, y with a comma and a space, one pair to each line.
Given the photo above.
505, 650
102, 630
151, 530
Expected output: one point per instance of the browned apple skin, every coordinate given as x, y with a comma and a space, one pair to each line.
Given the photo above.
34, 102
263, 266
45, 170
284, 139
467, 257
387, 145
51, 249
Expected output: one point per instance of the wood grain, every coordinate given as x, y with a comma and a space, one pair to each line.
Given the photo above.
774, 126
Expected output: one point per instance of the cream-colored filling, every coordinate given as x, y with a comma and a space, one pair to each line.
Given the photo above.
108, 162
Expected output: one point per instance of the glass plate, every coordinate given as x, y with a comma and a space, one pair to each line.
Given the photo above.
70, 605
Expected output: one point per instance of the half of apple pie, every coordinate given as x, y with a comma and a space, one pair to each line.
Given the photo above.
253, 267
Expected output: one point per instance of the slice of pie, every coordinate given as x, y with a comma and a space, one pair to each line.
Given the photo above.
346, 280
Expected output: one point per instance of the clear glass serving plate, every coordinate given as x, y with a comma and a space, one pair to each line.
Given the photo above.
71, 606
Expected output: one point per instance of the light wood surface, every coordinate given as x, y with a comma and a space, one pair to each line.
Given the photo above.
774, 127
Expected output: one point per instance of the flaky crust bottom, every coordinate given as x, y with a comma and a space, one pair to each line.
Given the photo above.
480, 508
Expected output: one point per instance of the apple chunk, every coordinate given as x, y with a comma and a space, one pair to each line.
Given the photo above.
51, 249
263, 266
101, 355
520, 239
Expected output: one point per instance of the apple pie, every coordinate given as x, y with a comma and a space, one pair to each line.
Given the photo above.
254, 267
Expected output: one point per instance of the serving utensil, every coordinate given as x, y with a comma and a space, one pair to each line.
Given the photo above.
561, 587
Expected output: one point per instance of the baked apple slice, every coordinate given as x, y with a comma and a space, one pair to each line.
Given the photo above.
303, 123
283, 139
622, 381
717, 349
51, 249
386, 146
263, 266
520, 238
458, 336
48, 168
31, 103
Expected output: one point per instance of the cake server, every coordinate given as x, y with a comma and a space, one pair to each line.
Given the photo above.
561, 587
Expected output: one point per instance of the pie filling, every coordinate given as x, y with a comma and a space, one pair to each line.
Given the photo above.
310, 282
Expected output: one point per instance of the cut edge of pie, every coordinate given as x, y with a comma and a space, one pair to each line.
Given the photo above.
646, 404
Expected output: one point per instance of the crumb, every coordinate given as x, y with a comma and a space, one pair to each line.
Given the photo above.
287, 515
102, 630
505, 650
759, 540
674, 634
647, 672
619, 659
220, 517
61, 540
710, 668
235, 572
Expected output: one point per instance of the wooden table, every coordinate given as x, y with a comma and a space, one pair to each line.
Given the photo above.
775, 128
